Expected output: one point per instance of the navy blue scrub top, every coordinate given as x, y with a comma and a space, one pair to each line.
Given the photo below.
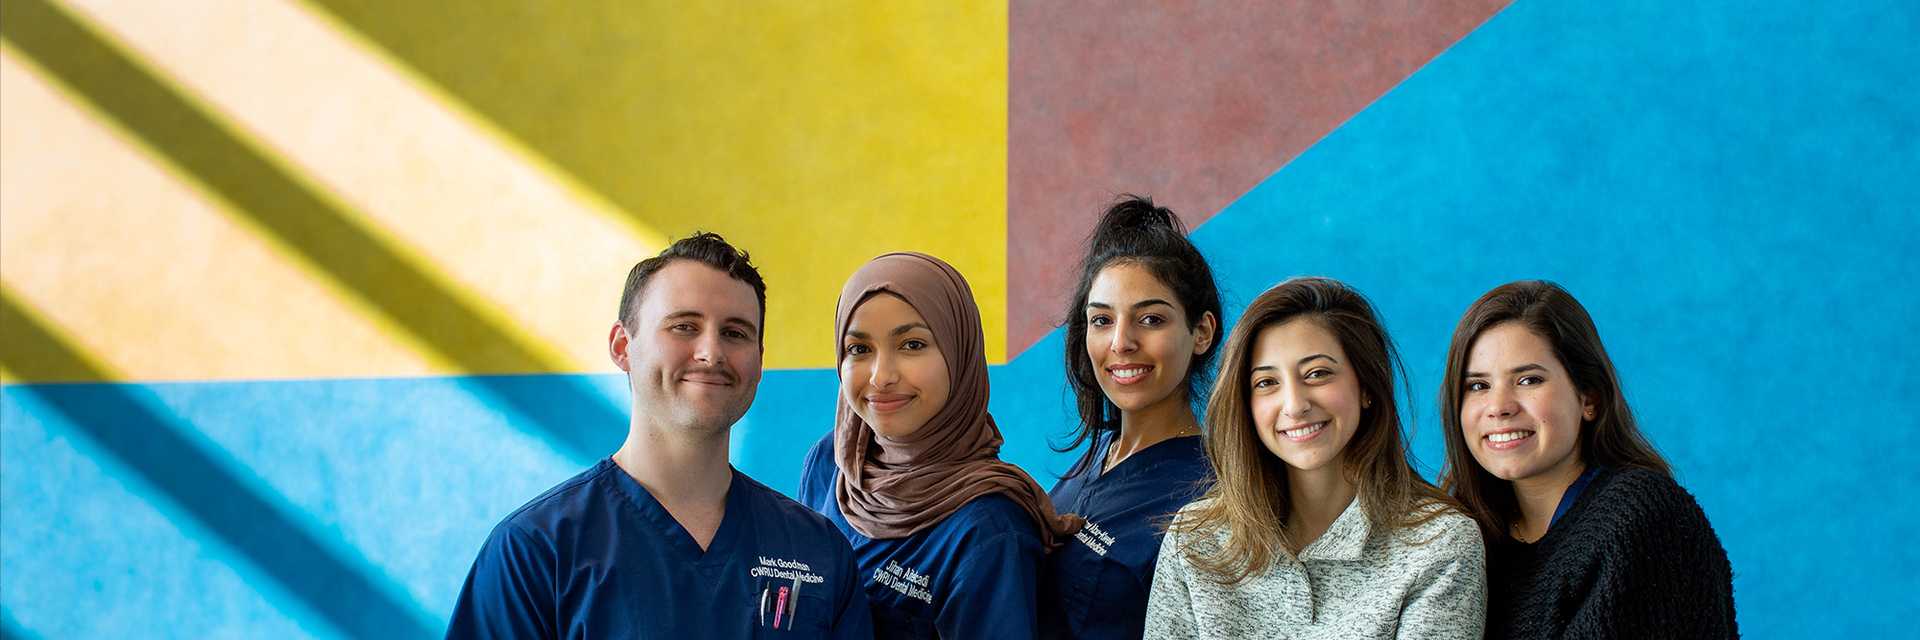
1096, 586
599, 557
969, 576
1572, 494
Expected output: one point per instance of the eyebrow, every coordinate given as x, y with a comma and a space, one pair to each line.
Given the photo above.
1137, 305
896, 330
743, 323
1268, 367
1525, 367
684, 314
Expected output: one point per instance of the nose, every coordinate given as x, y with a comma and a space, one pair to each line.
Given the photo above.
885, 371
707, 350
1121, 340
1501, 403
1294, 404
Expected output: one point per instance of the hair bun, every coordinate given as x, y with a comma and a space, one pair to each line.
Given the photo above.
1130, 217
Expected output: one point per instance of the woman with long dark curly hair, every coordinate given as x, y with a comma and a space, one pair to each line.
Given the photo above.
1140, 334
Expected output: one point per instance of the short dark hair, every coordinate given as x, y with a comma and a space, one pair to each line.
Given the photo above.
705, 248
1135, 231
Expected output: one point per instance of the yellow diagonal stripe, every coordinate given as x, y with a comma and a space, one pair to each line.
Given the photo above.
815, 134
147, 273
416, 168
856, 130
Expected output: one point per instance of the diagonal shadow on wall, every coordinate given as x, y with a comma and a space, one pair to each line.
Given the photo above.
427, 305
786, 127
601, 88
10, 629
147, 439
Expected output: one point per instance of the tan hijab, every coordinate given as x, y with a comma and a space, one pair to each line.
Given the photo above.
904, 486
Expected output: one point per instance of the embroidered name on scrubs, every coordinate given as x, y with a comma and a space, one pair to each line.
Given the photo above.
905, 580
1095, 538
1095, 587
599, 557
780, 596
786, 570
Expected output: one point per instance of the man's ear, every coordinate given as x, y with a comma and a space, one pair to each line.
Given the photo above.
1204, 332
617, 344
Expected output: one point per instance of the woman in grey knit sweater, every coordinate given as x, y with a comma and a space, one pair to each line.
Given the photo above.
1316, 527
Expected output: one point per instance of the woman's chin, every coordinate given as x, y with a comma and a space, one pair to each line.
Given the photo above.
892, 429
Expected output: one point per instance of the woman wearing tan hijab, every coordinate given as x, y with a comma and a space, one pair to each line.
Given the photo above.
947, 536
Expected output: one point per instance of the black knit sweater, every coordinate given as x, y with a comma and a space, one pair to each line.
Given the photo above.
1633, 558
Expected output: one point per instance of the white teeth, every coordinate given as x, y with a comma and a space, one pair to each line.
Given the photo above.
1305, 431
1128, 374
1509, 436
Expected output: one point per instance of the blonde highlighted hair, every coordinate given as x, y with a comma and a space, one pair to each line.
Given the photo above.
1249, 497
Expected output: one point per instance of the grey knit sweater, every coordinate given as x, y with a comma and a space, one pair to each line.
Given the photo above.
1353, 582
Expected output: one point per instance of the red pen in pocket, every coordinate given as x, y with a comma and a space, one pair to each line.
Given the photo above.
779, 606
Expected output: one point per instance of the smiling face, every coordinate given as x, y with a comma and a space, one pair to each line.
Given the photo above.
1305, 395
1520, 413
891, 371
692, 352
1138, 338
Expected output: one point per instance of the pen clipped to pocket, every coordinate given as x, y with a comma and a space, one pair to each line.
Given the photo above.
779, 604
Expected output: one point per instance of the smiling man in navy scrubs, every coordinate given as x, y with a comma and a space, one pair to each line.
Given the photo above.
665, 539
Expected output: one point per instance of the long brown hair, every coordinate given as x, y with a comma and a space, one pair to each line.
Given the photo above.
1249, 498
1610, 439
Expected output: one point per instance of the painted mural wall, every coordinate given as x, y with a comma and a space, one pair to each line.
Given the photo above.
298, 299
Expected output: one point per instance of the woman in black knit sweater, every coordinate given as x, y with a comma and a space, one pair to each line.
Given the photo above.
1587, 534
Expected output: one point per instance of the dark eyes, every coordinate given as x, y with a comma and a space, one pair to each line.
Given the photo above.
1524, 381
1315, 376
1149, 320
911, 344
690, 329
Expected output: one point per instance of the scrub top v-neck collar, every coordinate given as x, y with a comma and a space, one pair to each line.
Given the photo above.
1572, 495
1144, 456
733, 519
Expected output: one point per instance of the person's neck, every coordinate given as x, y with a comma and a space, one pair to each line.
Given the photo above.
1169, 418
1315, 499
688, 474
1538, 496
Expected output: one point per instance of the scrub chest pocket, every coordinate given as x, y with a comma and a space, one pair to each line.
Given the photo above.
786, 609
